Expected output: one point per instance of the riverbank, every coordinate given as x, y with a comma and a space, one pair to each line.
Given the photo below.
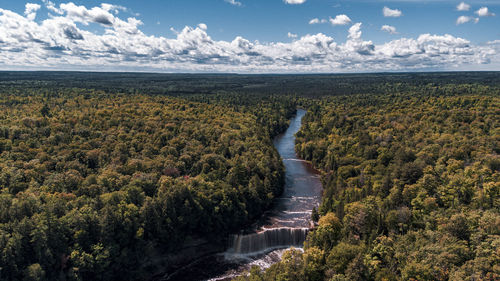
285, 225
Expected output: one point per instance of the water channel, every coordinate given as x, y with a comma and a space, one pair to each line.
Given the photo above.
285, 226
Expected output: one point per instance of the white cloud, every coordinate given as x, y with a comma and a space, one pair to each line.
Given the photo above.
30, 10
63, 41
462, 19
314, 21
463, 6
113, 8
340, 20
51, 6
388, 28
233, 2
202, 26
292, 35
356, 45
465, 19
355, 31
82, 14
294, 1
484, 12
394, 13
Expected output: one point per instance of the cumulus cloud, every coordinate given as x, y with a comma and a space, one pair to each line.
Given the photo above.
51, 6
463, 6
394, 13
388, 28
114, 8
340, 20
355, 31
466, 19
355, 44
64, 41
233, 2
292, 35
484, 12
30, 10
83, 15
294, 1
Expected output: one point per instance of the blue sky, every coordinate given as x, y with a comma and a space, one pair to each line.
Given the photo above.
253, 36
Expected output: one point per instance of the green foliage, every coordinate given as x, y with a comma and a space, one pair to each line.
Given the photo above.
89, 180
340, 256
97, 180
411, 184
327, 233
34, 272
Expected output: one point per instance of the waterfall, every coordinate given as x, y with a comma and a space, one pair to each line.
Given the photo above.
267, 240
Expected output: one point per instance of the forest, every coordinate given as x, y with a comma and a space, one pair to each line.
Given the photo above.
411, 187
90, 181
101, 174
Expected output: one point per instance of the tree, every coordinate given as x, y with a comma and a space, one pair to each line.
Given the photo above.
314, 264
328, 232
341, 256
34, 272
45, 111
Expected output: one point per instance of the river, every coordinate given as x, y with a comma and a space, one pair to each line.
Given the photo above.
284, 226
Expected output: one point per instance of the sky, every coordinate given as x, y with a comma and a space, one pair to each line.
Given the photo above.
250, 36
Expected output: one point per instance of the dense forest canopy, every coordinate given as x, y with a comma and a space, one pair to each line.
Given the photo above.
412, 188
314, 85
92, 181
103, 173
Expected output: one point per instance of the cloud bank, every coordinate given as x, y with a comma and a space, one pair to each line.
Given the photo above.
65, 41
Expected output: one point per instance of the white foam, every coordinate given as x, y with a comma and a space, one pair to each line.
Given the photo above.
294, 159
267, 240
297, 212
